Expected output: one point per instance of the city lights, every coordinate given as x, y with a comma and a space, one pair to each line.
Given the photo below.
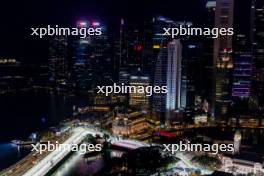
132, 88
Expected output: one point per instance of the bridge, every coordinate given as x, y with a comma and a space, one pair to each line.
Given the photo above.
49, 161
53, 158
129, 144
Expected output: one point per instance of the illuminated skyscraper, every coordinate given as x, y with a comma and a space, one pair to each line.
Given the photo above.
193, 73
167, 56
138, 98
81, 75
129, 49
168, 73
242, 61
173, 75
173, 97
101, 57
223, 62
241, 76
58, 63
160, 79
258, 54
237, 141
91, 58
206, 60
242, 58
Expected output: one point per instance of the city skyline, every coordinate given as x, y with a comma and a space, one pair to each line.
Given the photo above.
144, 80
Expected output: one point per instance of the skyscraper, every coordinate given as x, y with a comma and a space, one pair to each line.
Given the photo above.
168, 73
58, 63
81, 75
193, 78
223, 62
139, 99
101, 57
160, 79
242, 58
129, 49
173, 96
167, 70
91, 58
206, 61
258, 54
241, 76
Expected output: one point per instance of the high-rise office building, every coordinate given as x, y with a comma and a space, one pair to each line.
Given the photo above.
102, 62
81, 75
206, 61
91, 58
160, 59
160, 79
173, 96
223, 62
241, 76
58, 63
147, 53
258, 55
168, 73
14, 75
139, 98
242, 58
242, 55
129, 49
163, 52
193, 72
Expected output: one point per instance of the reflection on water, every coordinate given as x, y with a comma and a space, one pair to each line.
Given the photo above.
10, 153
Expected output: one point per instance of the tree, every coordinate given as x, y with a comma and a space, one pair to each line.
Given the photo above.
208, 162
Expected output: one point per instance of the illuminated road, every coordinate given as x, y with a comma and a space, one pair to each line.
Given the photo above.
186, 158
53, 158
46, 164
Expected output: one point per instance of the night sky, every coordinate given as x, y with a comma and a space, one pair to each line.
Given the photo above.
17, 17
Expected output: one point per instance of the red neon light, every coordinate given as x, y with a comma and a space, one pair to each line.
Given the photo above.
138, 47
166, 134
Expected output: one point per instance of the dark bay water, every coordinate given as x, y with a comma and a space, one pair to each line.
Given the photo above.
10, 154
25, 112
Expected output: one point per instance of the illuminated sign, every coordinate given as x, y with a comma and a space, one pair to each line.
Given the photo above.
156, 47
138, 47
95, 23
82, 24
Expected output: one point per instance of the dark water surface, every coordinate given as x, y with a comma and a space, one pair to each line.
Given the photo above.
23, 113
